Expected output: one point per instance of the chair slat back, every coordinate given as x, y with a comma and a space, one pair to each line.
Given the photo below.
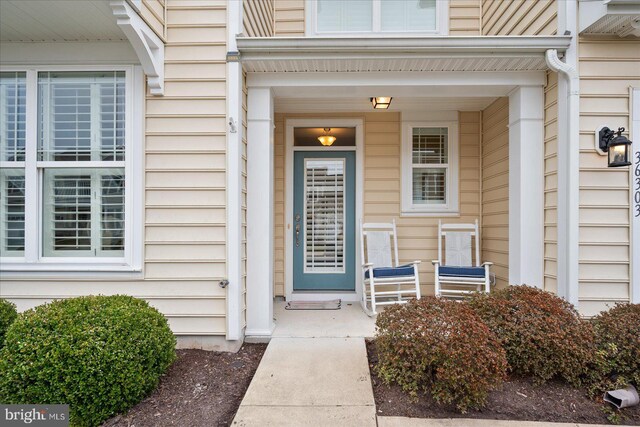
379, 242
457, 247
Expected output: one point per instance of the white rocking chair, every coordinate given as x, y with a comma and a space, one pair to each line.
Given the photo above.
458, 276
385, 282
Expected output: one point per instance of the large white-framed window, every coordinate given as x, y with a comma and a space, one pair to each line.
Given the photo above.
70, 191
377, 17
430, 177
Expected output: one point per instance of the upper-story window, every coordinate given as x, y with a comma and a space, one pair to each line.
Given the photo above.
377, 17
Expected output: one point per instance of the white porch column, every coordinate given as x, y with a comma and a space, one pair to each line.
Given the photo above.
259, 212
526, 186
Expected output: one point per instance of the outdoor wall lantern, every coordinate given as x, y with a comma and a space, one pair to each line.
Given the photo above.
381, 102
327, 139
616, 145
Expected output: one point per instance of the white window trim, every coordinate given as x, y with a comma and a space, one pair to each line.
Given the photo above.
311, 23
33, 259
451, 208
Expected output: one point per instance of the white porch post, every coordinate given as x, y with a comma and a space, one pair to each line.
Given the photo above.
259, 212
526, 186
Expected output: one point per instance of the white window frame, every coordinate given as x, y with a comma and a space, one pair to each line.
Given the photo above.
311, 23
33, 259
451, 207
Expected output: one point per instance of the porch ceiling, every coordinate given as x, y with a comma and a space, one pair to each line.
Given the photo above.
54, 21
394, 54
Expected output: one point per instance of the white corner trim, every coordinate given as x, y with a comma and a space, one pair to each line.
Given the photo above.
235, 132
634, 176
147, 45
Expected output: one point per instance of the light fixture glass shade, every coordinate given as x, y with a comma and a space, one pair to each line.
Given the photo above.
619, 155
381, 102
327, 140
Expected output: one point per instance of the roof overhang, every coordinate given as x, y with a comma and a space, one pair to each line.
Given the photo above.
72, 21
607, 17
367, 54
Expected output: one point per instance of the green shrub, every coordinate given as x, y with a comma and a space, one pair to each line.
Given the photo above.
8, 314
618, 336
541, 333
99, 354
441, 347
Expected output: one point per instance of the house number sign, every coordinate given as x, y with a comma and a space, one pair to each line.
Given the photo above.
635, 196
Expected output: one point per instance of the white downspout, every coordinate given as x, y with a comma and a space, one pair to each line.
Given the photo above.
568, 226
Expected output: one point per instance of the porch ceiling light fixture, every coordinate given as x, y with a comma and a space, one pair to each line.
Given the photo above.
381, 102
616, 145
326, 139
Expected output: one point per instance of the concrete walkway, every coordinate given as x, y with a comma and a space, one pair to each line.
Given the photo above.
466, 422
310, 382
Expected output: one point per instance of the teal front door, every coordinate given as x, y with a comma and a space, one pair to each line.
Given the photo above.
324, 221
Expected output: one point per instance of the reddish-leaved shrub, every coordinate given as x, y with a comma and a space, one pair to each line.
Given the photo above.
542, 334
618, 336
441, 347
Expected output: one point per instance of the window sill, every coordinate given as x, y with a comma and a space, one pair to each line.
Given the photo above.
18, 268
431, 213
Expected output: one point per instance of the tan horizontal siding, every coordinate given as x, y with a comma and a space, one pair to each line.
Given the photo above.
519, 17
465, 17
258, 18
382, 142
153, 13
177, 299
604, 192
495, 188
289, 19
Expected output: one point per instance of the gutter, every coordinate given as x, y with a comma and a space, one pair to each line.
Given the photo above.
274, 48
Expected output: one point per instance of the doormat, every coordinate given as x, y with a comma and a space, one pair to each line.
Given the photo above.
314, 305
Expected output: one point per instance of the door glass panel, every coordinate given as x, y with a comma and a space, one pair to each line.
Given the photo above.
324, 215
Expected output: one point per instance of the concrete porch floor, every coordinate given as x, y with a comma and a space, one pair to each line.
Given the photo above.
349, 321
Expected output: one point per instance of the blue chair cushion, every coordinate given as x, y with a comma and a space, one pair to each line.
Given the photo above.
461, 271
401, 270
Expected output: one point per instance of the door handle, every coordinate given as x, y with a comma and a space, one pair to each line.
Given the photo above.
297, 235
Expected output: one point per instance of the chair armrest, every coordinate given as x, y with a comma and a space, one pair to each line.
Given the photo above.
435, 261
367, 265
487, 263
416, 262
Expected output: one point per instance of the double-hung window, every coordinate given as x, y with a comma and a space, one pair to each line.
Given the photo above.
380, 17
430, 168
65, 184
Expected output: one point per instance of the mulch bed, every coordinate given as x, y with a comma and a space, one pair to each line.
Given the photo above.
202, 388
517, 399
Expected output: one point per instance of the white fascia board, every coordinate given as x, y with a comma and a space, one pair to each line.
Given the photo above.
398, 78
592, 11
275, 48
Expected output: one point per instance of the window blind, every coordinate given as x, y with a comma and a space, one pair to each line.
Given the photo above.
81, 116
12, 208
13, 94
324, 216
84, 212
430, 157
408, 15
